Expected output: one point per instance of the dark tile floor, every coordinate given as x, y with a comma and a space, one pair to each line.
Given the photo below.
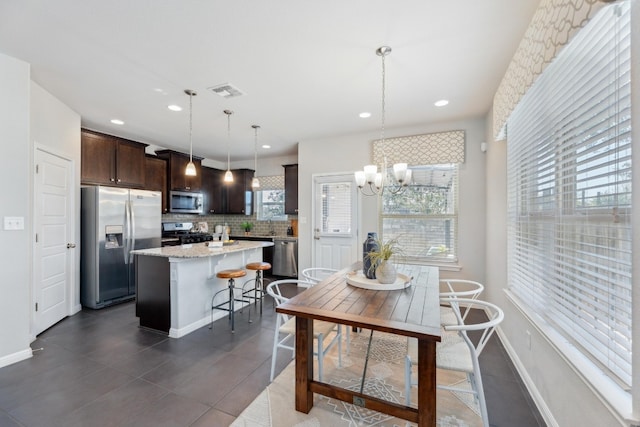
98, 368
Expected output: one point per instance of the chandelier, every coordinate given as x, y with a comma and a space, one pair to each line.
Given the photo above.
369, 180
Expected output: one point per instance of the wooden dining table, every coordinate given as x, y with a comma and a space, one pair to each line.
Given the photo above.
412, 312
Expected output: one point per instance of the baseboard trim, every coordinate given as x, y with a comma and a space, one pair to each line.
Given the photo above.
540, 403
10, 359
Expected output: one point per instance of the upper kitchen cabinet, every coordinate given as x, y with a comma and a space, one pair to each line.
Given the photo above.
156, 177
212, 188
176, 164
291, 189
109, 160
239, 193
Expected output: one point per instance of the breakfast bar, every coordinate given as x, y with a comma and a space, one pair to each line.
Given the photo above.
175, 284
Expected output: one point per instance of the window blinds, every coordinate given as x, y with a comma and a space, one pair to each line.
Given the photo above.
569, 192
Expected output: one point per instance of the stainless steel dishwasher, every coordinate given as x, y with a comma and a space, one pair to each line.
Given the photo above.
285, 257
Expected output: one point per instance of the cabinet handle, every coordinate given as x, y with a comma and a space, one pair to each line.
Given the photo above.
112, 180
119, 180
187, 188
71, 245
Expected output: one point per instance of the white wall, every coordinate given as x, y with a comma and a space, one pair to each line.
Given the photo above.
15, 190
349, 153
29, 116
56, 129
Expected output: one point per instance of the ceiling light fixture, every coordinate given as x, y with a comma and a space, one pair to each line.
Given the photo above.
174, 107
365, 115
441, 103
266, 146
377, 181
255, 182
117, 122
191, 168
228, 175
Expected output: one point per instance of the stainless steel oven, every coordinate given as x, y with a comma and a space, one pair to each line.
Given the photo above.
186, 202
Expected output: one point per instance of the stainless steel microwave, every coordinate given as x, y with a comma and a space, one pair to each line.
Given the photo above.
186, 202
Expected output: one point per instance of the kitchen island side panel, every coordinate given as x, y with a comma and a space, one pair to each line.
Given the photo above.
153, 296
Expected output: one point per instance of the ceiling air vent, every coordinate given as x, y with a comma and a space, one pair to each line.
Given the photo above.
226, 90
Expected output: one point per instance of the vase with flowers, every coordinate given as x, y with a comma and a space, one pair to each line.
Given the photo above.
380, 259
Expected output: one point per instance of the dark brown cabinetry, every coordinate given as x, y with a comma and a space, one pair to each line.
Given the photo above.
109, 160
213, 190
176, 165
239, 197
156, 177
291, 189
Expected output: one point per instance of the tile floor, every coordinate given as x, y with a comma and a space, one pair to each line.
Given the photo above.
98, 368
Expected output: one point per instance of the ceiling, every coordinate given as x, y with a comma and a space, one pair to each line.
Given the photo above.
307, 68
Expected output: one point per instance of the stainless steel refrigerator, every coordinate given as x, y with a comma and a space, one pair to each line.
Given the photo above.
115, 221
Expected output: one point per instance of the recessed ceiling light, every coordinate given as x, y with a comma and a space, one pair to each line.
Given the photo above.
365, 115
117, 122
174, 107
266, 146
441, 103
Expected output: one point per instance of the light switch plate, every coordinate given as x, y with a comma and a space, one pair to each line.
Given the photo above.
14, 223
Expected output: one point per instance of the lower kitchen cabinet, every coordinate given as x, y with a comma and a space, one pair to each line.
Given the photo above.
267, 253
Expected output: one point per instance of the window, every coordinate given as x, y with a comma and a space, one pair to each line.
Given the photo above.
424, 218
270, 205
569, 194
336, 208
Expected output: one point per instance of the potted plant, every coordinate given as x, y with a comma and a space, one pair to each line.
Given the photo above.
385, 270
247, 226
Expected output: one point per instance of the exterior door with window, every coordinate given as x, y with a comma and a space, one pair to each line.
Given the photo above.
335, 243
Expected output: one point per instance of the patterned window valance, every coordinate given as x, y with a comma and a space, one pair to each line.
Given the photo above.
275, 182
428, 149
551, 28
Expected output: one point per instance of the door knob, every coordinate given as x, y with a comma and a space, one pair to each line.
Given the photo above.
71, 245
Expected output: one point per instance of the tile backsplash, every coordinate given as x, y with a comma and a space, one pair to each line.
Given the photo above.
260, 228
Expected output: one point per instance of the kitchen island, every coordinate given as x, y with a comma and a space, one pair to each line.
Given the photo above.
175, 284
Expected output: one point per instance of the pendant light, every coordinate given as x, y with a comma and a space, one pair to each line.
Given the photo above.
228, 175
255, 182
191, 168
377, 181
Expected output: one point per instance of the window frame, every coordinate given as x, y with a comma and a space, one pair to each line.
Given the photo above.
424, 258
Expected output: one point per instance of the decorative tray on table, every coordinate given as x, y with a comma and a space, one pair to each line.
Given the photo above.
359, 280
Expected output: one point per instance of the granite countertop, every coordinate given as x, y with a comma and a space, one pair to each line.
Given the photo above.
200, 250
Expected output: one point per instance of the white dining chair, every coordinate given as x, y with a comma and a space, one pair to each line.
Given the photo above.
285, 331
456, 351
456, 288
317, 274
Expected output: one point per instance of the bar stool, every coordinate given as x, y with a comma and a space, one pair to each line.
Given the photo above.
258, 288
231, 275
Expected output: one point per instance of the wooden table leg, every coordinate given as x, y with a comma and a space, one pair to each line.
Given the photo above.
426, 383
304, 364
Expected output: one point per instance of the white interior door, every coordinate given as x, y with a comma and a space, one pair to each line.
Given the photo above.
335, 226
53, 248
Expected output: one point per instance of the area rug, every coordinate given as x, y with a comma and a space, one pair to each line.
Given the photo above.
384, 378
